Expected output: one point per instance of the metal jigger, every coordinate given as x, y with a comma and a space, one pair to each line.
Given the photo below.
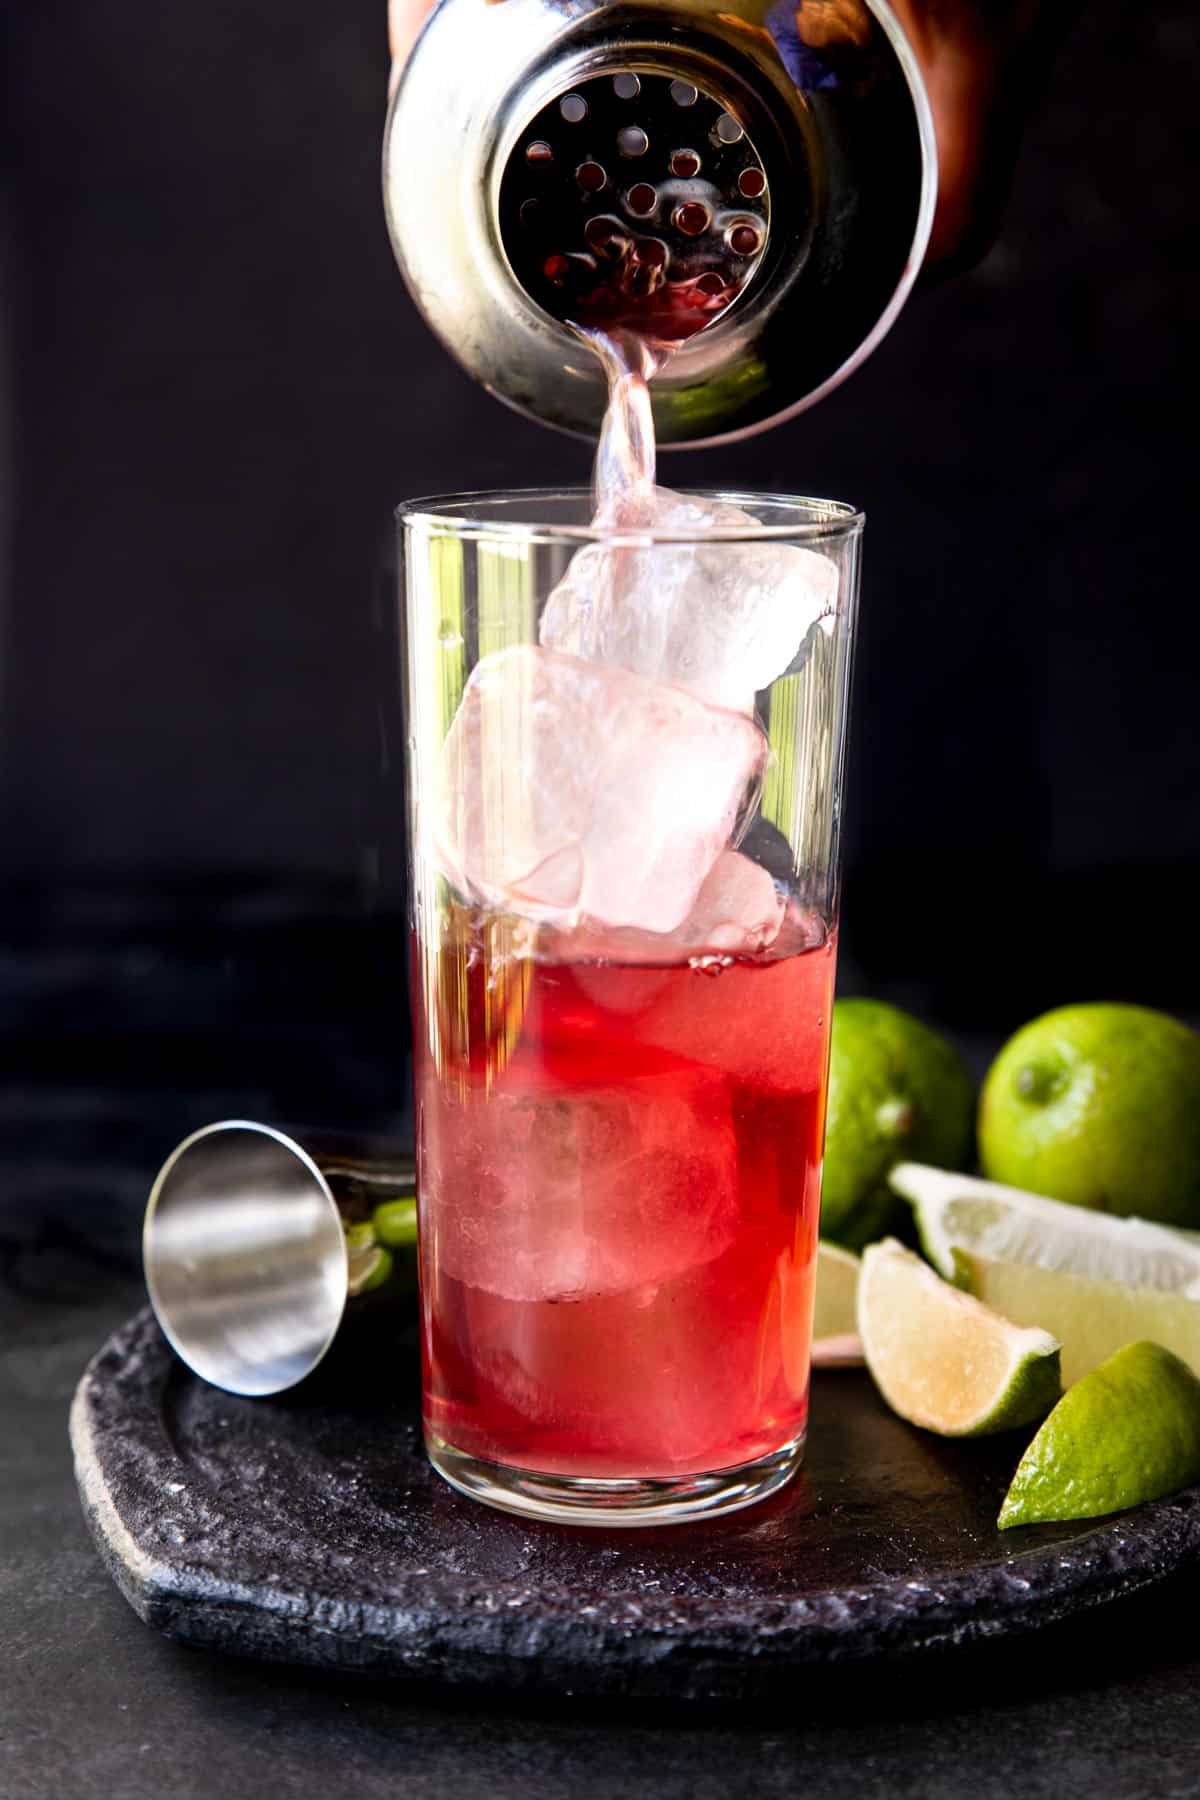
254, 1242
765, 169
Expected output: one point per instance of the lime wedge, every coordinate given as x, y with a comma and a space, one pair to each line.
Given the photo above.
369, 1268
1128, 1432
1090, 1318
394, 1222
942, 1359
368, 1263
835, 1313
1005, 1224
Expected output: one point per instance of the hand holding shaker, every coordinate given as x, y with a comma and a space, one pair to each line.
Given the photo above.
760, 168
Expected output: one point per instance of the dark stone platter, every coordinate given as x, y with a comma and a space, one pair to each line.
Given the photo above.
310, 1529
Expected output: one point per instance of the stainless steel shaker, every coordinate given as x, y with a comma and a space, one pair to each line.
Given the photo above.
765, 169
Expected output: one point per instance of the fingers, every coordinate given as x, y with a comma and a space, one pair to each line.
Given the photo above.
981, 65
405, 19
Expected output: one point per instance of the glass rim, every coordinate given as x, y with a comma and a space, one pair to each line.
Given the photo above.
450, 515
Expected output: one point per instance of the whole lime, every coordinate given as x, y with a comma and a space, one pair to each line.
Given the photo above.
1099, 1106
897, 1092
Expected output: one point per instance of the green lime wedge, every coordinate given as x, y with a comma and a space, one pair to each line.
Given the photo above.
1128, 1432
1090, 1318
395, 1222
942, 1359
369, 1269
835, 1313
1005, 1224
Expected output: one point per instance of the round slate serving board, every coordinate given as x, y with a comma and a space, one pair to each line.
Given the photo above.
311, 1529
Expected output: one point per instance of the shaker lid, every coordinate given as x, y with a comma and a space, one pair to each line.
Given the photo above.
756, 191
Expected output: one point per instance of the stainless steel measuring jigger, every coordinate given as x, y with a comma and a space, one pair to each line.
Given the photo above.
254, 1242
762, 169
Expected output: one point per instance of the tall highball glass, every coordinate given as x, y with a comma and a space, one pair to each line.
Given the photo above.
625, 756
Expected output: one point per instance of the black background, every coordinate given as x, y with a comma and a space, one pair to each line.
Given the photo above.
215, 389
212, 392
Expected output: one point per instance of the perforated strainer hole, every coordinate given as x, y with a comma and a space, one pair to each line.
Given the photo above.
692, 218
743, 238
601, 234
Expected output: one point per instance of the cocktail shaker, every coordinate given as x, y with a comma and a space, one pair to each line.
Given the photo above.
763, 169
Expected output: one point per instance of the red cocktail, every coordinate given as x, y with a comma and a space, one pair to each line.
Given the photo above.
620, 1172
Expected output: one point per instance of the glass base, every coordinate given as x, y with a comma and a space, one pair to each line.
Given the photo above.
615, 1502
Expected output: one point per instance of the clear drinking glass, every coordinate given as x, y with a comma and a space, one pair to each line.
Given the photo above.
624, 802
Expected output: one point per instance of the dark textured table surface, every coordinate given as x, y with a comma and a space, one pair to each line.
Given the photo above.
113, 1044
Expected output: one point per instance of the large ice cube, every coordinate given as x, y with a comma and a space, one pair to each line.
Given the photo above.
738, 912
722, 619
567, 789
566, 1194
764, 1024
696, 1373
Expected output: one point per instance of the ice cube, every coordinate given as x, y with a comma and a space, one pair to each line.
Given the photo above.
738, 912
722, 619
764, 1023
697, 1372
558, 1194
568, 789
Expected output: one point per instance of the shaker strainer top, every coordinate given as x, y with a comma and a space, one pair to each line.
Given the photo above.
764, 169
635, 201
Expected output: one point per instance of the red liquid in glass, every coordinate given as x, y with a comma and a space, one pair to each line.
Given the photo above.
620, 1179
